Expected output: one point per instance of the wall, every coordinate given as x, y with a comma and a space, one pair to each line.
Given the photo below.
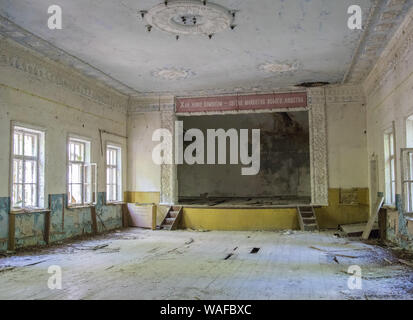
348, 193
240, 219
144, 174
347, 157
39, 92
284, 155
390, 98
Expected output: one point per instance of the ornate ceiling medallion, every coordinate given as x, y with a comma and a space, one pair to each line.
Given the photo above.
190, 17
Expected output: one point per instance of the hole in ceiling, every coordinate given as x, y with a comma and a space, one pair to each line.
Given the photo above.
312, 84
255, 250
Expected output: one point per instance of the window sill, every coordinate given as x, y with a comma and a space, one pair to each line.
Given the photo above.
28, 211
409, 216
114, 203
389, 206
81, 206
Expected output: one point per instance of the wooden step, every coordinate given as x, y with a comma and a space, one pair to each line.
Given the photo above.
309, 220
173, 214
307, 214
310, 227
172, 218
166, 226
169, 221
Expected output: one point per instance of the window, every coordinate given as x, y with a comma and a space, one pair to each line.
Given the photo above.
407, 168
113, 174
407, 178
81, 174
27, 185
389, 168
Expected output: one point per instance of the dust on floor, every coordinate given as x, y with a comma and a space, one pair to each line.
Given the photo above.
144, 264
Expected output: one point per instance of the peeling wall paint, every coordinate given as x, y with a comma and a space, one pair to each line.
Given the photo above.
70, 222
41, 93
65, 222
4, 222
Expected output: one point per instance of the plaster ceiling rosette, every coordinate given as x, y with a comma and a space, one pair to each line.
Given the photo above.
190, 17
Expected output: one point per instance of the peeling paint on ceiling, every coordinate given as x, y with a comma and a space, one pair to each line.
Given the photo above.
110, 42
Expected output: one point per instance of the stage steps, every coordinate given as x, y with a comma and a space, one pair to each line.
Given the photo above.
172, 218
307, 218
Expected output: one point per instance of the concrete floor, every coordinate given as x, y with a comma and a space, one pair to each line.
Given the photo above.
143, 264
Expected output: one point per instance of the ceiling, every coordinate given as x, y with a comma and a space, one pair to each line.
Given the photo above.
276, 44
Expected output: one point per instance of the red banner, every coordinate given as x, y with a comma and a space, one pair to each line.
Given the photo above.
242, 102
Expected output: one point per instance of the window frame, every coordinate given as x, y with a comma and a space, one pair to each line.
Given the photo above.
406, 163
38, 158
390, 181
118, 167
84, 164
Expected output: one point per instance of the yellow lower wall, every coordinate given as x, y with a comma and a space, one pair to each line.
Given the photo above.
336, 214
261, 219
277, 218
239, 219
142, 197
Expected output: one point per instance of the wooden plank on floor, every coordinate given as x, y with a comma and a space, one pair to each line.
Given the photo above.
372, 219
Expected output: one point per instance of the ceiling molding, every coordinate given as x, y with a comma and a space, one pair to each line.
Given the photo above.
393, 63
385, 18
22, 59
27, 39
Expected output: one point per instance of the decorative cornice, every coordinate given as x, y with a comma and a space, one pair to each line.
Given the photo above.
15, 56
151, 104
318, 145
385, 17
391, 62
30, 41
344, 94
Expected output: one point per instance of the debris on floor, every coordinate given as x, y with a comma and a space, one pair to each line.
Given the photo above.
407, 263
161, 265
356, 229
189, 241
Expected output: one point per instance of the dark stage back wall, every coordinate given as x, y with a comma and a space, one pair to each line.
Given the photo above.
285, 158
